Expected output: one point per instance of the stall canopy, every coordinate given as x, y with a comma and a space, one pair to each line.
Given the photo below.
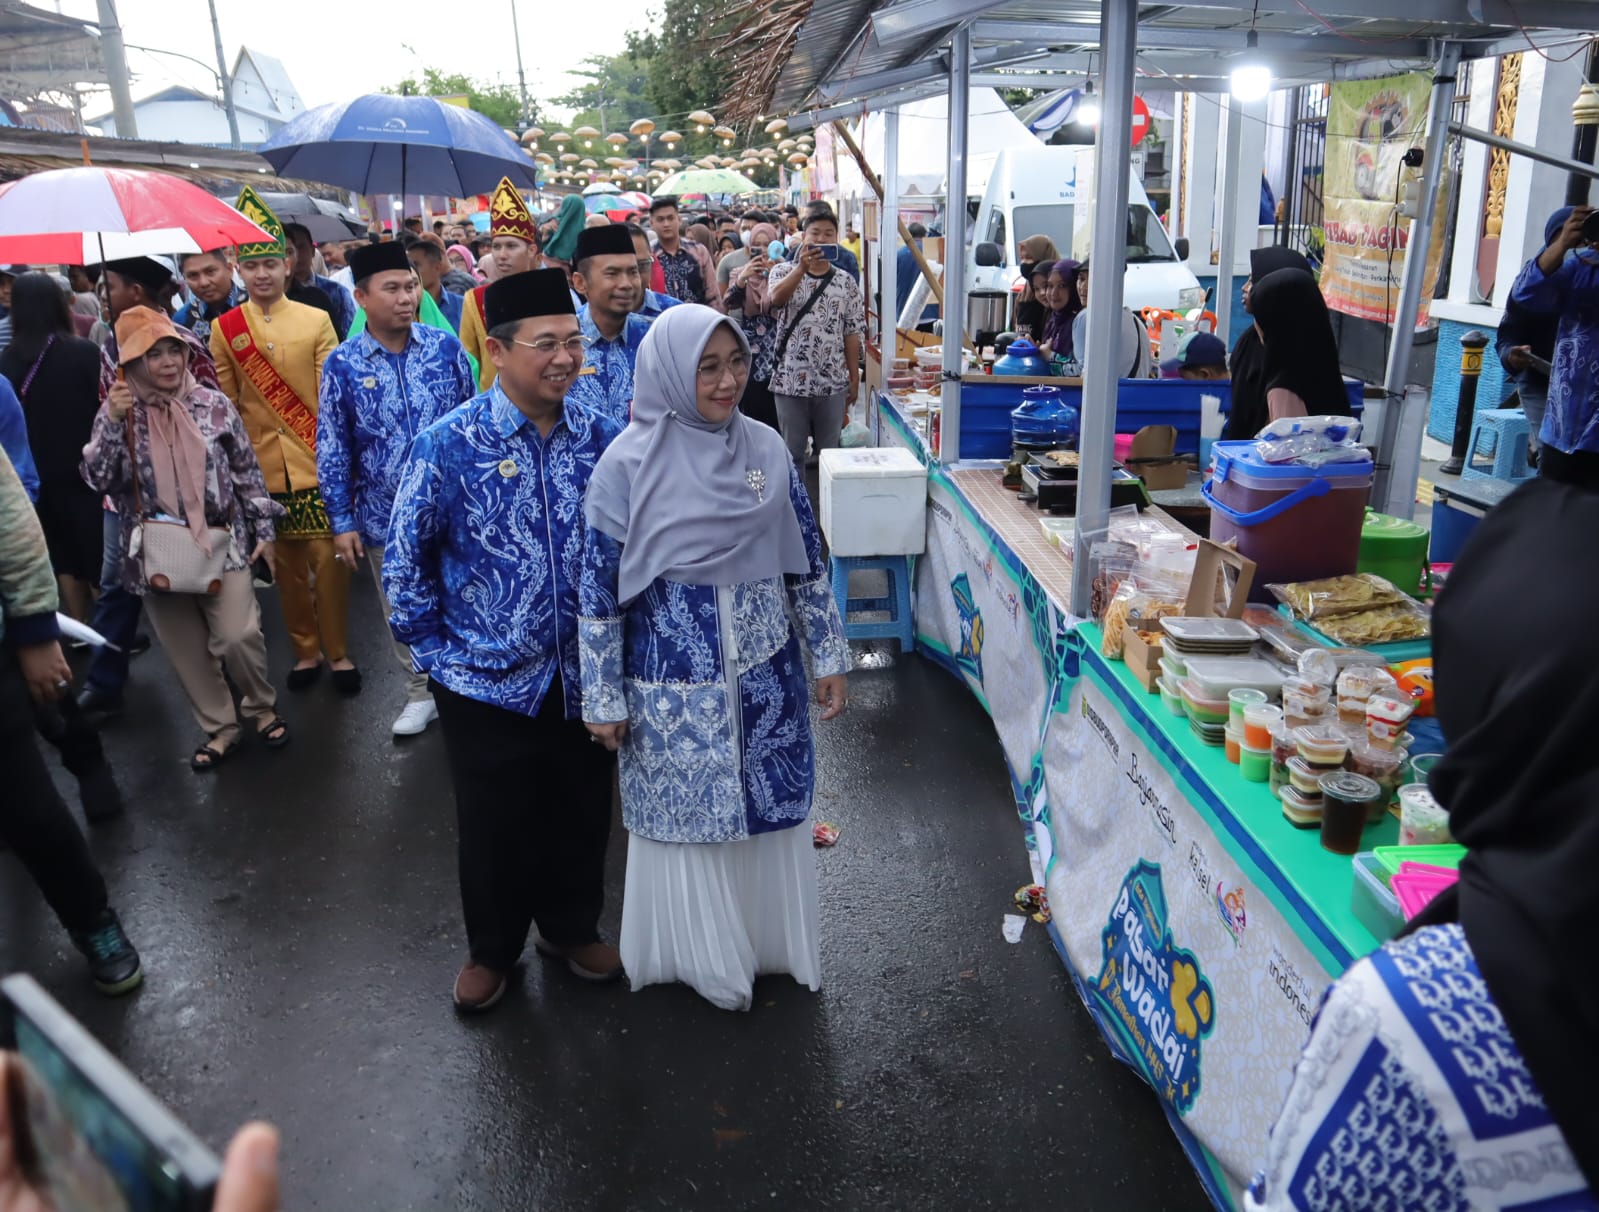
924, 140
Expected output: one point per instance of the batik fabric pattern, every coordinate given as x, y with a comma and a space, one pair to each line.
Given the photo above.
485, 549
235, 493
372, 403
1571, 420
606, 384
1411, 1094
712, 684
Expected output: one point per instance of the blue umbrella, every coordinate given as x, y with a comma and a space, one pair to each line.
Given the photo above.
378, 144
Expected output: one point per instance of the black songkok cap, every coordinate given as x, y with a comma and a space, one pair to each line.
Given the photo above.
538, 292
369, 259
612, 240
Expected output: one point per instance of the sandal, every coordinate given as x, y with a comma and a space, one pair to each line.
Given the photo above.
206, 758
275, 733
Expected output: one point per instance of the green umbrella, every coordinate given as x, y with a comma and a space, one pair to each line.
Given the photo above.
713, 181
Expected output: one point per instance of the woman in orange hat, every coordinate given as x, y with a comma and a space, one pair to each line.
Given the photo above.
194, 464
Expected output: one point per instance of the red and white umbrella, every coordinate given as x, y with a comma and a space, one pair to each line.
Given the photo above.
82, 216
634, 198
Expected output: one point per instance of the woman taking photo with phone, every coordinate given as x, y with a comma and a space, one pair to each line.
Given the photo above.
750, 299
167, 450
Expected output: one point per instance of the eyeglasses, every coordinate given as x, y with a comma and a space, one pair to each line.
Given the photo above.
645, 264
713, 373
576, 346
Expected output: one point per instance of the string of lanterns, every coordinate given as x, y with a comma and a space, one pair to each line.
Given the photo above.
570, 156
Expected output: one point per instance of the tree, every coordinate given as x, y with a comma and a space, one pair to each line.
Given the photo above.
614, 92
499, 102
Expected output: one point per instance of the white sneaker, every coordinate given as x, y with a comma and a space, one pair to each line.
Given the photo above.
416, 717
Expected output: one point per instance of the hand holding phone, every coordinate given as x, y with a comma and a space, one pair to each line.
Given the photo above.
828, 252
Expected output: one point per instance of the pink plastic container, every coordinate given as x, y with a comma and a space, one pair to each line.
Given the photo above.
1296, 523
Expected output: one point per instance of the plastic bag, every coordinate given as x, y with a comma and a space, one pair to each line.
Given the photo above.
1115, 621
1332, 430
1406, 619
1110, 563
1316, 600
855, 435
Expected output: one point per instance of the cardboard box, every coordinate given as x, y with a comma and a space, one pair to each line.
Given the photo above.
1154, 460
1143, 660
1221, 584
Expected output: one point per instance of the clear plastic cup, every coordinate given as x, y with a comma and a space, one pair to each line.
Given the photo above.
1423, 821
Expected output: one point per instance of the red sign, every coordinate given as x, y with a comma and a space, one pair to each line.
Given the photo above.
1140, 120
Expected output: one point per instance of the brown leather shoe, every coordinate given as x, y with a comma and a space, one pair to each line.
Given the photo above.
478, 988
597, 962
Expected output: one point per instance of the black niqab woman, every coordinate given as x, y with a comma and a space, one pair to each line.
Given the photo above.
1247, 365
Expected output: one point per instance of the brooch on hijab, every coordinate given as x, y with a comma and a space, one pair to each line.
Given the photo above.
756, 479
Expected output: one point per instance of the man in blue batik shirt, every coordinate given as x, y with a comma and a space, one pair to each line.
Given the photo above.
651, 303
209, 276
304, 250
1563, 280
607, 272
379, 390
484, 554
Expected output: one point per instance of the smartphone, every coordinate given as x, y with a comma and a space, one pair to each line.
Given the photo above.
84, 1129
1590, 228
829, 251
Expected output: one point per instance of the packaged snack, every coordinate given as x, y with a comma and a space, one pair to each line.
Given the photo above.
1386, 719
1254, 764
1324, 747
1301, 810
1260, 720
1423, 821
1387, 624
1317, 600
1304, 777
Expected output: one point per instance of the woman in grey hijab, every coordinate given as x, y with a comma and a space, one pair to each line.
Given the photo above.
701, 542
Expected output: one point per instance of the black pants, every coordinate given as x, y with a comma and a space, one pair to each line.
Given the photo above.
533, 813
758, 403
73, 735
34, 821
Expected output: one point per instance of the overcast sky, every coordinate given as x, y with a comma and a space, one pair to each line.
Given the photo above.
334, 51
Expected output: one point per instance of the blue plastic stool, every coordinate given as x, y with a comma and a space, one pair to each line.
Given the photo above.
1508, 436
899, 625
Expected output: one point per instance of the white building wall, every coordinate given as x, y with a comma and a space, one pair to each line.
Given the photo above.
190, 120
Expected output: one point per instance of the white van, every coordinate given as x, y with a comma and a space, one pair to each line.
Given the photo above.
1048, 191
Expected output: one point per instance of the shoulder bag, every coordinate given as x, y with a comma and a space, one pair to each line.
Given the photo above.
782, 340
171, 560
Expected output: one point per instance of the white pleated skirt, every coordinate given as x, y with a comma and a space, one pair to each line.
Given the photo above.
715, 916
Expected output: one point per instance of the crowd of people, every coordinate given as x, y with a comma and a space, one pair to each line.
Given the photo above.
571, 456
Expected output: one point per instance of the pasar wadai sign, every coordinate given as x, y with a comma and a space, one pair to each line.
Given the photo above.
1370, 126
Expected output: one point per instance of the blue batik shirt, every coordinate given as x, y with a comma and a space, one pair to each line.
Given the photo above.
485, 551
343, 301
1571, 422
606, 385
655, 303
198, 318
451, 304
372, 403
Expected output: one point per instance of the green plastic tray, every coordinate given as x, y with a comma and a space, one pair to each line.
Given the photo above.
1434, 856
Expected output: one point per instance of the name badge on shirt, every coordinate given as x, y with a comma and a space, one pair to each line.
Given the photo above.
588, 370
508, 468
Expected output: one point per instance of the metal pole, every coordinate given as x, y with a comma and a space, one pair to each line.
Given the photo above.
887, 261
954, 307
1118, 40
1575, 167
1410, 284
115, 54
521, 76
888, 244
1471, 347
1227, 250
227, 82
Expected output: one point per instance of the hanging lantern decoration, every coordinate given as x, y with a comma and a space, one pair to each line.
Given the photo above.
776, 125
799, 159
702, 120
587, 134
785, 145
531, 137
613, 161
642, 128
670, 138
726, 134
587, 163
561, 138
544, 158
568, 157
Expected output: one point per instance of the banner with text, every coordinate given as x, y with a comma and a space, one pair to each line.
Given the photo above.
1371, 124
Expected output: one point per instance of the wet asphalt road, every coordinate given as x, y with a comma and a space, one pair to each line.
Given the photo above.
298, 916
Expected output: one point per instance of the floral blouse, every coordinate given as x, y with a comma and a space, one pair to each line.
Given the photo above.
814, 361
235, 493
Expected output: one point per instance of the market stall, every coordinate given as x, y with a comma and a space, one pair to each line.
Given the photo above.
1198, 923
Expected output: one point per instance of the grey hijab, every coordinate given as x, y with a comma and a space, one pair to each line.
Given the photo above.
692, 501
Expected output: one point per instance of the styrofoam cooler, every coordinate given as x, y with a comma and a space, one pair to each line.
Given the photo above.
873, 502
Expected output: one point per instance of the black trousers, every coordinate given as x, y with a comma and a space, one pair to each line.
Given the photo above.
34, 821
73, 735
533, 815
758, 403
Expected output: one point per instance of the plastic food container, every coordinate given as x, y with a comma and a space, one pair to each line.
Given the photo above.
1386, 766
1326, 746
1371, 899
1202, 708
1170, 698
1216, 632
1302, 811
1297, 523
1172, 666
1254, 764
1215, 677
1232, 741
1423, 821
1386, 719
1346, 803
1241, 699
1305, 778
1260, 721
